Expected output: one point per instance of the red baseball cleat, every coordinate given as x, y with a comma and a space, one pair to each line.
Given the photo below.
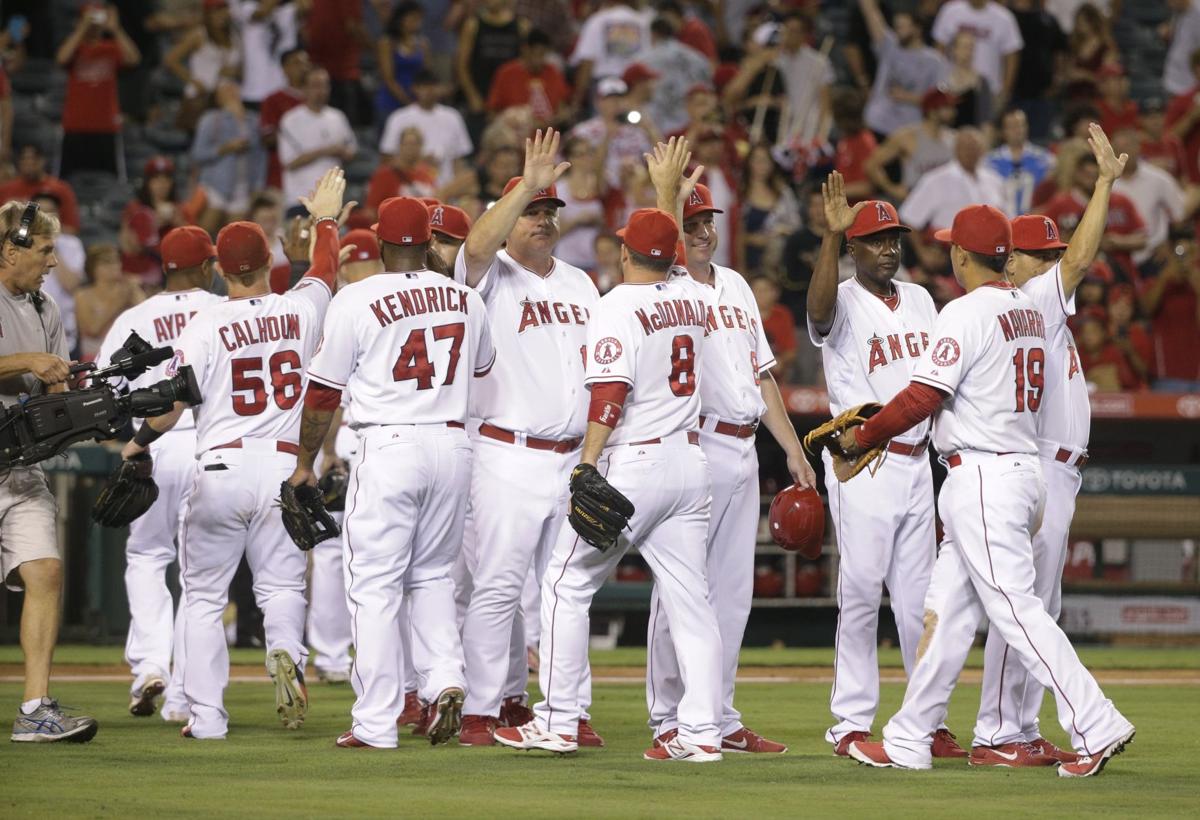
530, 736
1094, 764
872, 753
1009, 755
421, 727
477, 730
744, 741
347, 740
411, 715
842, 749
587, 735
1050, 750
666, 737
514, 712
944, 745
676, 749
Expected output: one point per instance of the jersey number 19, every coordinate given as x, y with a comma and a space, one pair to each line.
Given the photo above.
1031, 371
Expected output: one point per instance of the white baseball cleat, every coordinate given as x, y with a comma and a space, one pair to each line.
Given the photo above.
145, 693
529, 736
678, 749
291, 695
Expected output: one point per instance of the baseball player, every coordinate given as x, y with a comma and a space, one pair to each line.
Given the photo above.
249, 355
983, 381
1048, 271
405, 345
736, 391
645, 343
533, 413
450, 226
872, 330
187, 255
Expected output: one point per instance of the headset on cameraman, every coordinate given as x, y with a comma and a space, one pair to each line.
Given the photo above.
22, 237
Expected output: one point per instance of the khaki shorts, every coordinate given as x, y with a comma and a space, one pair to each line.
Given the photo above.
28, 529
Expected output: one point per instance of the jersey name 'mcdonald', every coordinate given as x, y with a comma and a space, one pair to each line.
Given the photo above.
261, 329
415, 301
895, 349
536, 314
674, 313
1022, 322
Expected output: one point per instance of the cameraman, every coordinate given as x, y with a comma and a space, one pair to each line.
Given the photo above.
33, 353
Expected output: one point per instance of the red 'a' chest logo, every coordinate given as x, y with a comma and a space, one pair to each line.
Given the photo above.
910, 345
876, 358
1074, 368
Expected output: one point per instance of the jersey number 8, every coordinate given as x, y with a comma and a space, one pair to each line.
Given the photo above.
286, 382
683, 366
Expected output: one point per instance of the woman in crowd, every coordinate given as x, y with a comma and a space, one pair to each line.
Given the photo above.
968, 85
401, 53
581, 220
769, 212
203, 57
230, 158
147, 219
1092, 46
107, 294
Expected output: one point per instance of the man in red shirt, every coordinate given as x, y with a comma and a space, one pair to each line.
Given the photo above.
530, 80
1117, 111
1183, 121
295, 65
778, 323
32, 181
1159, 145
1171, 301
336, 37
1125, 232
93, 54
855, 146
404, 173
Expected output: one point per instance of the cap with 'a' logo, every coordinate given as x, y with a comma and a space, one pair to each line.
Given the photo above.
547, 194
449, 220
877, 217
1034, 232
700, 201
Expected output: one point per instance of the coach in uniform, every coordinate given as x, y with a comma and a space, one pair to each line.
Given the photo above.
33, 354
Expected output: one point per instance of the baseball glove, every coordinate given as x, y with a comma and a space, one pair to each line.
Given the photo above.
598, 511
304, 516
846, 464
333, 489
130, 491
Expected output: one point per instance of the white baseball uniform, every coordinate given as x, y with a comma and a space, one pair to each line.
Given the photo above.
731, 404
988, 354
649, 336
405, 347
533, 414
884, 524
150, 548
1011, 698
249, 356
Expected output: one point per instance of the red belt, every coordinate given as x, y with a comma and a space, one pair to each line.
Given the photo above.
736, 430
457, 425
1064, 455
955, 459
693, 438
281, 446
908, 449
508, 437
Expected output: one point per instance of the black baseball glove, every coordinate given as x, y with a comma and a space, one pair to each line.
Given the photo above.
598, 511
304, 515
130, 491
333, 489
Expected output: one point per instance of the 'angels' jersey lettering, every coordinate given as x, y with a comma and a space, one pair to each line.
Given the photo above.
404, 347
1065, 419
989, 355
872, 349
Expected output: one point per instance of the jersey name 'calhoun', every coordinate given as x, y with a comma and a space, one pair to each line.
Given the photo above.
260, 329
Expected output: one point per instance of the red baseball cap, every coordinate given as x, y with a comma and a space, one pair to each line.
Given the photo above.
449, 220
877, 217
979, 229
429, 201
186, 247
652, 233
366, 245
158, 165
700, 202
242, 247
1034, 232
403, 220
637, 73
549, 193
936, 98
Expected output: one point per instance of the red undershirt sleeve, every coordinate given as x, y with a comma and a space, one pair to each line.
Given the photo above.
910, 406
608, 398
322, 397
325, 252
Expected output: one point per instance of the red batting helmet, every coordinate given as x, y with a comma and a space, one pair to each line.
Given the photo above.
797, 520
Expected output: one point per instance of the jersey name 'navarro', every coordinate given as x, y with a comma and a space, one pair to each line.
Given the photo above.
1022, 322
417, 301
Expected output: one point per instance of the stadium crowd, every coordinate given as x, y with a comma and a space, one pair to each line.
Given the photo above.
131, 118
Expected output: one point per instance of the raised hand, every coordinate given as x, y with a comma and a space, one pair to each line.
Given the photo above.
325, 202
541, 155
1111, 166
839, 215
667, 163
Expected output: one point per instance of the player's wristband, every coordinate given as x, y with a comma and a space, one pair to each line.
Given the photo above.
321, 219
146, 435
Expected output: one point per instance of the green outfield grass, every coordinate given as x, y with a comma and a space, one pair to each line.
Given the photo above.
141, 768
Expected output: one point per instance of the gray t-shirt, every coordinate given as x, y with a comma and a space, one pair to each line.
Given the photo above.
22, 330
913, 69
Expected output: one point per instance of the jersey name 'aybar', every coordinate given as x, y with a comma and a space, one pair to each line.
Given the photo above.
673, 313
260, 329
1022, 322
416, 301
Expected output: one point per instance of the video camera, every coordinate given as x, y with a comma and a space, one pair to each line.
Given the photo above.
44, 426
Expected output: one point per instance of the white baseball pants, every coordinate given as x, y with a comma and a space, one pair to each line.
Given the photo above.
328, 614
884, 526
404, 521
990, 506
732, 533
1011, 698
669, 486
234, 509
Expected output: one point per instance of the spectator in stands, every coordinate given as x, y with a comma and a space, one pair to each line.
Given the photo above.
266, 211
108, 292
679, 67
1067, 152
689, 28
1091, 48
444, 130
918, 148
702, 110
267, 29
768, 212
295, 67
997, 43
581, 219
93, 54
1155, 194
145, 220
908, 69
609, 40
502, 164
610, 134
800, 251
807, 79
1159, 145
531, 80
488, 40
778, 323
855, 143
1126, 230
336, 36
1183, 120
313, 138
1180, 66
967, 84
1041, 59
404, 173
1117, 111
205, 55
32, 181
1128, 334
401, 54
606, 272
229, 155
1172, 301
709, 151
1021, 164
641, 80
6, 117
65, 277
1104, 364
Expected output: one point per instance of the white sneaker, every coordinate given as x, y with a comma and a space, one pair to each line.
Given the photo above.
529, 736
291, 695
677, 749
146, 690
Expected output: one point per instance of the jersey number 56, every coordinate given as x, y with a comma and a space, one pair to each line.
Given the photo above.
250, 389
